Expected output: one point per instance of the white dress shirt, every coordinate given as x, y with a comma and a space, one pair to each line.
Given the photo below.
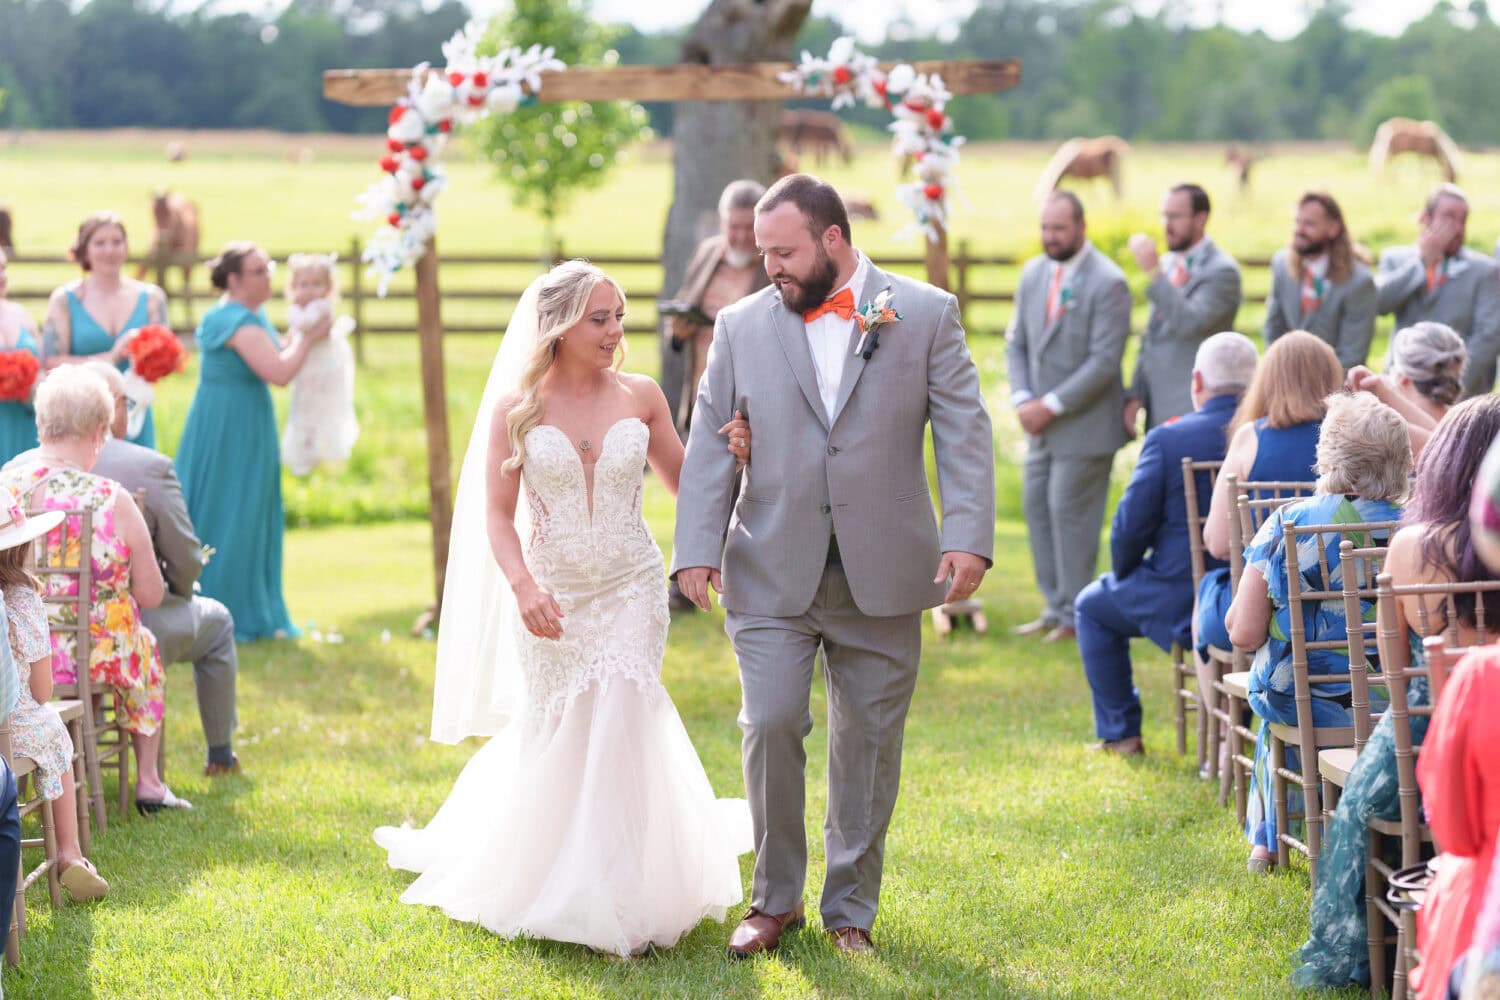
828, 339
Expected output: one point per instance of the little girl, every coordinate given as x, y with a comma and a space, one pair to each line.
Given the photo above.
36, 732
320, 421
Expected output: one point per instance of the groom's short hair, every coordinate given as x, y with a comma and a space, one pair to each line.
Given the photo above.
816, 199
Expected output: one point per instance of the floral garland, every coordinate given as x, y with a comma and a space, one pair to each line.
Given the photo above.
922, 130
470, 87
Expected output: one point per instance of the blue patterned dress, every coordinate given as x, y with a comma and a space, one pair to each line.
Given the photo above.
17, 418
1272, 690
230, 467
88, 337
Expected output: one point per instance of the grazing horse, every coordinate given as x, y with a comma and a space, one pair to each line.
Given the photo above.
7, 240
1404, 135
822, 130
1101, 157
1239, 160
175, 242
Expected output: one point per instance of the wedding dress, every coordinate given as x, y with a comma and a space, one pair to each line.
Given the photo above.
588, 817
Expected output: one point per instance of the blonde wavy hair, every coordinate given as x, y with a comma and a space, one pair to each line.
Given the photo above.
326, 265
1364, 449
561, 301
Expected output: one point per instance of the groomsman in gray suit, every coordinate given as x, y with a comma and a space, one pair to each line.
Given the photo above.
1194, 293
188, 626
1063, 350
830, 539
1442, 280
1318, 285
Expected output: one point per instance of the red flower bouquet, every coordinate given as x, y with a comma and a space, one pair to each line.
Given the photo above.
155, 351
18, 371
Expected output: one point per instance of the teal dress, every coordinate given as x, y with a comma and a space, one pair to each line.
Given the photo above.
230, 467
88, 337
17, 419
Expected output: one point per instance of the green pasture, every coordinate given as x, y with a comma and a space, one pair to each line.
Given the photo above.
1018, 865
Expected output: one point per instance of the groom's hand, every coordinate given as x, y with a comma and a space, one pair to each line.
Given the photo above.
966, 569
694, 583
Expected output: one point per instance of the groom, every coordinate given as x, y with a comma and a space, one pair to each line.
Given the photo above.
832, 539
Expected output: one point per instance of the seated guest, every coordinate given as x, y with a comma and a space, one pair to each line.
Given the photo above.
723, 269
1459, 773
73, 413
1318, 284
1424, 377
1433, 546
10, 813
1272, 437
1364, 463
1150, 593
188, 627
1441, 279
36, 731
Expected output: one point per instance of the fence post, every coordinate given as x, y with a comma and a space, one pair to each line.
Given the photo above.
962, 289
357, 293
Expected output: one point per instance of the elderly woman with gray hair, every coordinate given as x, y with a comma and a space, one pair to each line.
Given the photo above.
74, 409
1423, 379
1364, 469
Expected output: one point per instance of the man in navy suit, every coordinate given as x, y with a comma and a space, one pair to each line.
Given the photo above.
1150, 592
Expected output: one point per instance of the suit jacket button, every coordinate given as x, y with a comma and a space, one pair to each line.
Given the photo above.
832, 450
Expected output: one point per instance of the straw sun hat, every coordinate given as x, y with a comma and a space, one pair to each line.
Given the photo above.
18, 529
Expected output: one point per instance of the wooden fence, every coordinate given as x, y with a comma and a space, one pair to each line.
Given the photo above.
479, 289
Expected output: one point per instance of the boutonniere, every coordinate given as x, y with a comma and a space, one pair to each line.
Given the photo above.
875, 314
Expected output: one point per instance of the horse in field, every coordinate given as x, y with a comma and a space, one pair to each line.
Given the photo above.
1405, 135
822, 130
7, 238
1086, 158
175, 242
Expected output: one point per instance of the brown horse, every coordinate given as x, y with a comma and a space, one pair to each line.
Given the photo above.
1239, 160
7, 239
1101, 157
822, 130
175, 242
1405, 135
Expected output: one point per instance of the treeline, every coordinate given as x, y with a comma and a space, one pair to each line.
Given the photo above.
1089, 67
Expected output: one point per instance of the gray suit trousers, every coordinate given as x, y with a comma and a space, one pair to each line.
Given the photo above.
208, 643
871, 671
1063, 498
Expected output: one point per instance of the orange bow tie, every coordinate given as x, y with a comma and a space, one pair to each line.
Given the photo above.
842, 303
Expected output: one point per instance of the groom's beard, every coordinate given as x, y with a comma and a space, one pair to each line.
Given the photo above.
808, 292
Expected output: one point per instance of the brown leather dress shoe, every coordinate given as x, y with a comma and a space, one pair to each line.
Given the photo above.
1130, 746
1039, 627
1063, 633
760, 932
852, 941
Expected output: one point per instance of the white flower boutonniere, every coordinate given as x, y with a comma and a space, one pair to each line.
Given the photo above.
875, 314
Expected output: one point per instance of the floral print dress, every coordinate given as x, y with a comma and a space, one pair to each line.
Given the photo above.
124, 655
36, 732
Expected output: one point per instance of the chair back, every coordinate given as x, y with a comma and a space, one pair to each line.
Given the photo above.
1249, 513
1358, 570
67, 580
1197, 514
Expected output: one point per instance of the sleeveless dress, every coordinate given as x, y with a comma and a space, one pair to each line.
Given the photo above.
18, 419
1282, 454
230, 468
88, 337
123, 654
590, 818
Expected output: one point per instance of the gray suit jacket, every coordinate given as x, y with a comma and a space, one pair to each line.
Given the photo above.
1469, 301
1077, 356
1344, 319
1180, 320
861, 476
144, 471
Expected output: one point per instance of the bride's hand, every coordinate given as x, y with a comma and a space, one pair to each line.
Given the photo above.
738, 431
539, 610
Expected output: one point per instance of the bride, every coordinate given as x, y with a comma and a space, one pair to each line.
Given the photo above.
588, 817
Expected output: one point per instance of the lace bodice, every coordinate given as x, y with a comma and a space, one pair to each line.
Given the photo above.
603, 566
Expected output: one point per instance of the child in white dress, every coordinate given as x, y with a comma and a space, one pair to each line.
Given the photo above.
320, 421
36, 731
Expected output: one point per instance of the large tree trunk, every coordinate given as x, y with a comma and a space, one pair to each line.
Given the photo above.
715, 142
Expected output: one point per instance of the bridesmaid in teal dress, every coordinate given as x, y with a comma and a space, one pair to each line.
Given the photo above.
228, 459
93, 317
17, 333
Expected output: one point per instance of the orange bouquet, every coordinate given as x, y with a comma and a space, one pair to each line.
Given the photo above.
155, 351
18, 371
